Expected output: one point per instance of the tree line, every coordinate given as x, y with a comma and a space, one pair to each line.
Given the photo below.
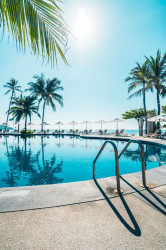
41, 91
145, 77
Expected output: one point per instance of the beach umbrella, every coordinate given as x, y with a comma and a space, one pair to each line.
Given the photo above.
59, 123
117, 120
44, 124
86, 122
73, 123
158, 118
101, 122
4, 124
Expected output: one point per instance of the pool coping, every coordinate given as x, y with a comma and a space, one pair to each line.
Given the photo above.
148, 140
45, 196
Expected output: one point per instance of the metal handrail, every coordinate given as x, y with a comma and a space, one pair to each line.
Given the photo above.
116, 163
142, 158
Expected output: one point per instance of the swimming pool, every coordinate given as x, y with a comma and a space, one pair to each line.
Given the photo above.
45, 160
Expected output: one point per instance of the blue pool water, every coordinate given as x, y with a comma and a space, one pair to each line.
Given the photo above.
60, 159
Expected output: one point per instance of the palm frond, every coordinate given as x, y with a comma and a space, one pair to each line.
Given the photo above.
37, 24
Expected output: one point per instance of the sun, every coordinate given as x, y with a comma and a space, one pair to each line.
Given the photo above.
83, 27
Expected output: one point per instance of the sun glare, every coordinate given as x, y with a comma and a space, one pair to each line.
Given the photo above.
83, 27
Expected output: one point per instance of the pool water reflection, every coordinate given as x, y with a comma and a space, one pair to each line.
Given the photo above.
44, 160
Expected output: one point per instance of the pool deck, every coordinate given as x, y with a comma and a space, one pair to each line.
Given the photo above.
87, 214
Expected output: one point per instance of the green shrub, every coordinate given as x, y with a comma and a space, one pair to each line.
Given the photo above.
26, 132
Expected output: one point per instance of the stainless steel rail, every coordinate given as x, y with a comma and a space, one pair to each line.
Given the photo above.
116, 163
117, 157
142, 158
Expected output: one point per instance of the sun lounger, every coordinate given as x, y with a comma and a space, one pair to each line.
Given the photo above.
163, 136
55, 132
121, 132
41, 132
6, 132
105, 132
156, 134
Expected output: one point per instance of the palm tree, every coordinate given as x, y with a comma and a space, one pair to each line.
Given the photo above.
12, 86
46, 91
22, 107
139, 79
37, 24
157, 76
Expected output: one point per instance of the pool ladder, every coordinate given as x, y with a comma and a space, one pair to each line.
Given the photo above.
117, 157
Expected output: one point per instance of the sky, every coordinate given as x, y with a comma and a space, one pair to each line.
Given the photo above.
107, 38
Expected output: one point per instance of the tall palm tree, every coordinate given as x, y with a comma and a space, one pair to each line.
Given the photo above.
37, 24
23, 107
139, 80
46, 91
157, 76
12, 87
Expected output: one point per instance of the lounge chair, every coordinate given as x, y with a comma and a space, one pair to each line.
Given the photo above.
163, 135
71, 131
132, 134
41, 132
77, 131
55, 132
156, 134
121, 132
116, 133
15, 131
6, 132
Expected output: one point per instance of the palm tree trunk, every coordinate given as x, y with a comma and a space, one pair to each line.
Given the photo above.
26, 123
44, 104
158, 107
144, 104
7, 118
139, 126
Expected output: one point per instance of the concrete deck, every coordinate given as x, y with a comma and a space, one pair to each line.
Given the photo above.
87, 215
124, 222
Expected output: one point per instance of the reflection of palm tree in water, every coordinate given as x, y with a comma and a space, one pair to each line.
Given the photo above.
46, 173
19, 161
22, 160
152, 154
